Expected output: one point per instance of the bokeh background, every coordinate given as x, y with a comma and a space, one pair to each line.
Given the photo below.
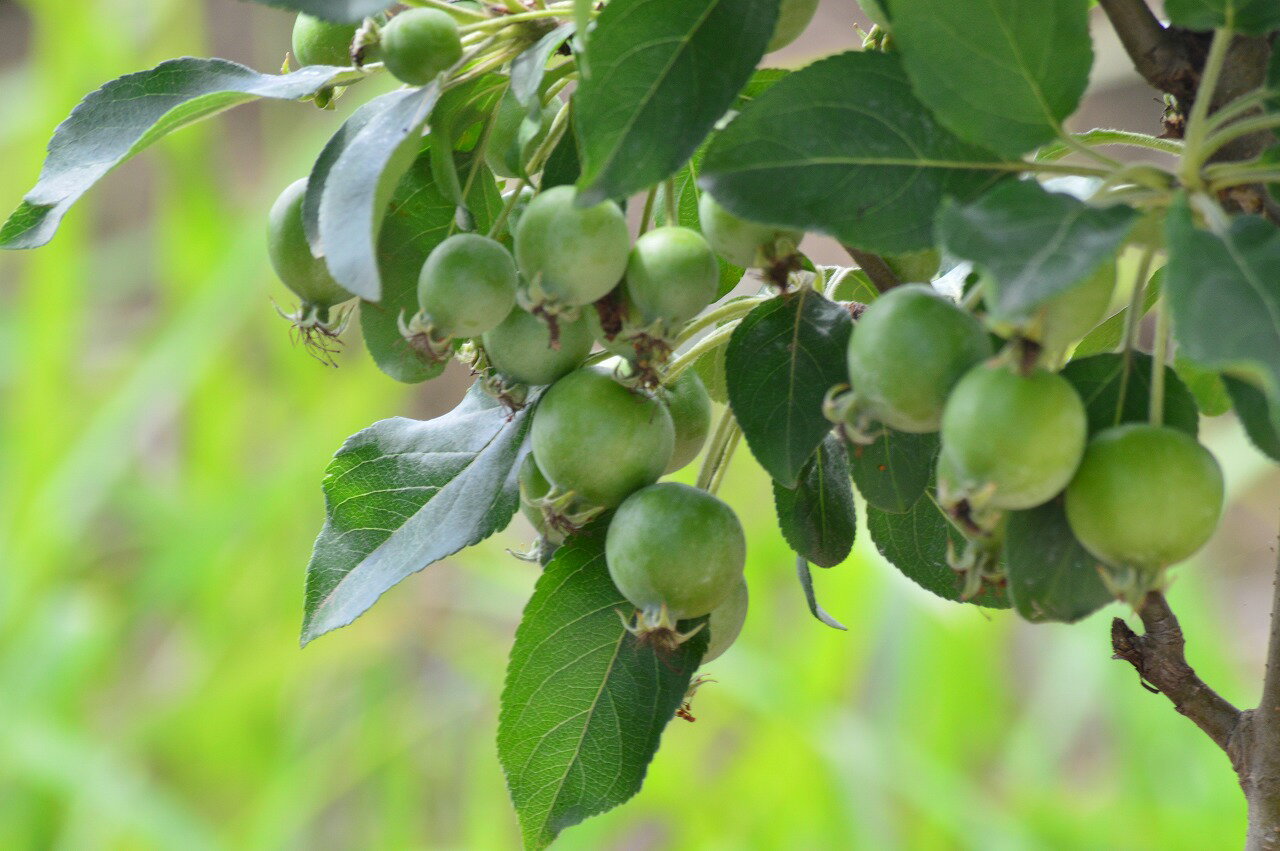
161, 448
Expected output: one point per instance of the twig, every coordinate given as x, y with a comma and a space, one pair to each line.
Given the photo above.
881, 275
1160, 659
1162, 56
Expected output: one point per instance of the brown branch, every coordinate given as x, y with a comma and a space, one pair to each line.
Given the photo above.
1167, 58
1257, 748
882, 276
1160, 659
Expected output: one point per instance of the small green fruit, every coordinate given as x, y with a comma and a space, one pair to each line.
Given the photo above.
520, 348
291, 256
671, 276
690, 409
739, 241
417, 44
467, 285
573, 254
320, 42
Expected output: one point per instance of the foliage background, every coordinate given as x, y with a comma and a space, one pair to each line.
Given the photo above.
161, 446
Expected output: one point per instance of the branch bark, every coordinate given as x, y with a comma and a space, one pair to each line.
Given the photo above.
1160, 659
1258, 760
1166, 58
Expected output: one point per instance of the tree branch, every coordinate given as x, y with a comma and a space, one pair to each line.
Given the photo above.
881, 275
1165, 57
1159, 657
1258, 750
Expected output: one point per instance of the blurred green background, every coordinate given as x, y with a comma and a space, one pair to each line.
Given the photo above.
161, 448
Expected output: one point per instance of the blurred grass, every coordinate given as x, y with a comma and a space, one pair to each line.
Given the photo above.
161, 447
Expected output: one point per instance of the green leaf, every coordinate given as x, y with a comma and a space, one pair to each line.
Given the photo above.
817, 516
341, 11
660, 73
419, 217
1098, 379
780, 362
564, 164
403, 494
329, 154
1225, 296
585, 702
1051, 576
843, 147
893, 472
128, 114
360, 183
916, 541
1000, 73
1254, 17
528, 69
1205, 385
1261, 420
1034, 244
1108, 336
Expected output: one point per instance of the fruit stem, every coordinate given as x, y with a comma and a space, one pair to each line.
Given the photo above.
448, 7
735, 437
1244, 127
646, 218
500, 21
714, 340
554, 134
669, 197
716, 450
733, 310
1131, 322
1195, 155
512, 200
1104, 136
1159, 356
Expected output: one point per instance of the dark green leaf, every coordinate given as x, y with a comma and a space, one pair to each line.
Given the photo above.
1108, 336
563, 165
1098, 379
360, 183
660, 73
1205, 385
1051, 576
893, 472
858, 156
585, 702
1225, 296
817, 516
1001, 73
342, 11
779, 365
1260, 419
1034, 244
915, 542
1255, 17
403, 494
418, 219
126, 115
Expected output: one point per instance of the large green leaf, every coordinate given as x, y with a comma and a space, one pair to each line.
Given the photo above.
1259, 418
1247, 16
916, 543
779, 365
1224, 292
585, 701
893, 471
1099, 379
360, 183
659, 74
1051, 576
1033, 243
843, 147
529, 68
403, 494
817, 516
126, 115
1001, 73
418, 219
343, 11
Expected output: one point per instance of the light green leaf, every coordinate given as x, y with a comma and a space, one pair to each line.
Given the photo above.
1034, 244
360, 183
126, 115
660, 73
585, 701
1000, 73
859, 157
403, 494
